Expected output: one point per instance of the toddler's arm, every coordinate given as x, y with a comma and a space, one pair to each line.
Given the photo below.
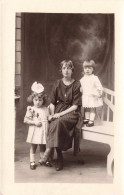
99, 87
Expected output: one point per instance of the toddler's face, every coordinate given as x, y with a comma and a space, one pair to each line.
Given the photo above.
38, 102
88, 70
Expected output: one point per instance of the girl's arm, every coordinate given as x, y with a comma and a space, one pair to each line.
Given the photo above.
72, 108
28, 119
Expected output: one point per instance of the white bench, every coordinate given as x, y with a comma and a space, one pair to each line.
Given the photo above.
104, 132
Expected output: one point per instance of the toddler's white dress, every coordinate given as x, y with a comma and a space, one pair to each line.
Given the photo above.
91, 89
37, 135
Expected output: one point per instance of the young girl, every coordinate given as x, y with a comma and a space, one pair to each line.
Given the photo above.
37, 119
92, 90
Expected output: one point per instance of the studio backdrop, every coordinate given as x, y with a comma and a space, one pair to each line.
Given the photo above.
49, 38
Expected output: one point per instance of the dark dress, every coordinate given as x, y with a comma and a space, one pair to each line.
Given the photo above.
62, 130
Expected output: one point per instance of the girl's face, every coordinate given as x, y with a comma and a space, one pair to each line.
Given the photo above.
38, 102
66, 71
88, 70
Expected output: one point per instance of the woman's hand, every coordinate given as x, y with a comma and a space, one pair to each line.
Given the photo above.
50, 117
57, 115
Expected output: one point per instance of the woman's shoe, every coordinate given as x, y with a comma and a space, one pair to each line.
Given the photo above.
90, 124
85, 121
32, 165
48, 164
59, 165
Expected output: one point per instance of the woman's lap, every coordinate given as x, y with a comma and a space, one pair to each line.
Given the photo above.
60, 131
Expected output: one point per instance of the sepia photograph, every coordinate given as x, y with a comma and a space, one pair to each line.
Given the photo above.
64, 97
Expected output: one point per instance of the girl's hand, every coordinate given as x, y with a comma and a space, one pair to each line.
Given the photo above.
38, 123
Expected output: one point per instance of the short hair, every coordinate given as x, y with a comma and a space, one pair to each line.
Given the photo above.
90, 63
68, 63
39, 95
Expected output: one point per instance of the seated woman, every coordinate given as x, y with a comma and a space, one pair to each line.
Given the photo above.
64, 119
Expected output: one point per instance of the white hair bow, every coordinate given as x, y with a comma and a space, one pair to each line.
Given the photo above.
37, 87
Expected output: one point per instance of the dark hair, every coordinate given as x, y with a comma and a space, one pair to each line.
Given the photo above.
39, 95
68, 63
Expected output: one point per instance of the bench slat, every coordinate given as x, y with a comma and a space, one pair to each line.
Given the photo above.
108, 91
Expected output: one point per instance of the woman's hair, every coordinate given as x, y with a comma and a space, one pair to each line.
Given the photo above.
67, 63
90, 63
39, 95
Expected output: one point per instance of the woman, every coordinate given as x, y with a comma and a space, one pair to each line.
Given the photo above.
64, 119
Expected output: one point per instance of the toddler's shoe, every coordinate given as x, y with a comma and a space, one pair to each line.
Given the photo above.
32, 165
90, 124
85, 121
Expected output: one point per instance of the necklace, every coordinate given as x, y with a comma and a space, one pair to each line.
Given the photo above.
68, 82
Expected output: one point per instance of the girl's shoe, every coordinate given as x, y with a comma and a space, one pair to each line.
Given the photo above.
32, 165
90, 124
85, 121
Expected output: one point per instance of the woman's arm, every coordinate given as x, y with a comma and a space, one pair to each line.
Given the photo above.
72, 108
51, 111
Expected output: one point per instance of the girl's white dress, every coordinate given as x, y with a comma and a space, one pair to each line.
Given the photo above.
37, 135
92, 91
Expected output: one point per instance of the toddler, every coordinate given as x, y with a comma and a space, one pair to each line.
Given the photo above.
92, 90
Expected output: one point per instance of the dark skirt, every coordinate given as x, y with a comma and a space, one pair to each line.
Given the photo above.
61, 130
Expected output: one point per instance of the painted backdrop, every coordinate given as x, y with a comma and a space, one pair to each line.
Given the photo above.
48, 38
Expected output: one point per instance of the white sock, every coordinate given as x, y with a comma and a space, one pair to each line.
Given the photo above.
92, 116
87, 115
32, 157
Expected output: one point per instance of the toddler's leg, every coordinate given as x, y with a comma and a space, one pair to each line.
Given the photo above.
92, 117
32, 156
87, 115
92, 114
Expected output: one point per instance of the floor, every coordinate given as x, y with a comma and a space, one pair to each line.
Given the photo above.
93, 170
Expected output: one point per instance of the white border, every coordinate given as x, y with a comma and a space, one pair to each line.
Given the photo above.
9, 8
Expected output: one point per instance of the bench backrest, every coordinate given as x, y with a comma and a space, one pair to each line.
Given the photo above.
108, 107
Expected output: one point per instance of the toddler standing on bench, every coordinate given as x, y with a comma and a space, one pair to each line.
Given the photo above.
92, 90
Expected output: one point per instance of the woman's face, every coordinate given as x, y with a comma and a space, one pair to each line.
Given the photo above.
66, 71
